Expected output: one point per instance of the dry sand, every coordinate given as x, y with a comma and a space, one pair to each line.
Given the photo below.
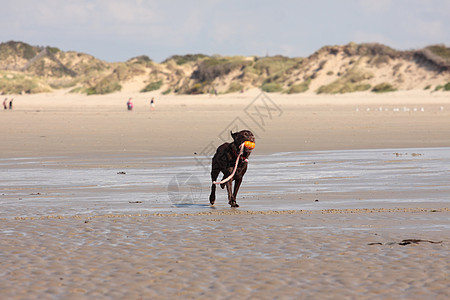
350, 254
62, 124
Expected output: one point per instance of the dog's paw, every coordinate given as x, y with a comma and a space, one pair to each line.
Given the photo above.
233, 204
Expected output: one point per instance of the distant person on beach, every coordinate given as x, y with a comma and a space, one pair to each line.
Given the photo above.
11, 103
4, 103
130, 104
152, 103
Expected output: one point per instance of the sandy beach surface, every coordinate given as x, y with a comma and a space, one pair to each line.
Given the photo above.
346, 197
65, 124
289, 255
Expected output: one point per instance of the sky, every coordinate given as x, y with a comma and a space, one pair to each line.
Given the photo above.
117, 30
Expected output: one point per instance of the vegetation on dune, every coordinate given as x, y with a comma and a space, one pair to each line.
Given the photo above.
273, 66
50, 67
105, 86
183, 59
299, 88
438, 54
152, 86
371, 50
440, 50
235, 87
213, 67
83, 64
19, 84
352, 81
444, 87
124, 72
383, 88
210, 69
272, 87
53, 50
196, 89
342, 88
275, 72
380, 60
143, 59
139, 62
18, 49
166, 92
274, 69
62, 83
112, 82
33, 69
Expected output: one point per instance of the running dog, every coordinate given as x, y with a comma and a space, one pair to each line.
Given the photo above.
231, 159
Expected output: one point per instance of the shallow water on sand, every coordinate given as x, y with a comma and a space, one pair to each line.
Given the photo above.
44, 186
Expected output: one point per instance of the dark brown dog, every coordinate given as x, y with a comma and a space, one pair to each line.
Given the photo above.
224, 161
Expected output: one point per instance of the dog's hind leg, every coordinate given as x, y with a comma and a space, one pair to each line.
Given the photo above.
212, 196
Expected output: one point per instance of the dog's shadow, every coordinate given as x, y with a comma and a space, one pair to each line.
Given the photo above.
193, 205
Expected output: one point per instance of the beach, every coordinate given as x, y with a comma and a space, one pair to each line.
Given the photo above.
275, 255
62, 124
345, 197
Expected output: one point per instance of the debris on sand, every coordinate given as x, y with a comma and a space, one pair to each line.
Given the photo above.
407, 242
416, 241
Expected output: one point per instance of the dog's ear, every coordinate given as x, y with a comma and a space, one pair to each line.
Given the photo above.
233, 135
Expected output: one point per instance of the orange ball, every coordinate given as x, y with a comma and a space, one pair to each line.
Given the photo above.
249, 145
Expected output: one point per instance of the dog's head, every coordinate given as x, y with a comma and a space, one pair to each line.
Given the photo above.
242, 137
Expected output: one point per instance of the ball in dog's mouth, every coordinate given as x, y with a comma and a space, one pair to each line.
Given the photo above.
249, 145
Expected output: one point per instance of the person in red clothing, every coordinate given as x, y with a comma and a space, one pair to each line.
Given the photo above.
130, 104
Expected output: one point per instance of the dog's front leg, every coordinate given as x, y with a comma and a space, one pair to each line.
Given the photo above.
231, 198
237, 184
212, 197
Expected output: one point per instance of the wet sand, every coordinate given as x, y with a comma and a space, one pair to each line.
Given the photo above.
309, 180
308, 255
332, 248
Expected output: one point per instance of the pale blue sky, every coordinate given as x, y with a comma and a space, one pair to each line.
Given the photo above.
116, 30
